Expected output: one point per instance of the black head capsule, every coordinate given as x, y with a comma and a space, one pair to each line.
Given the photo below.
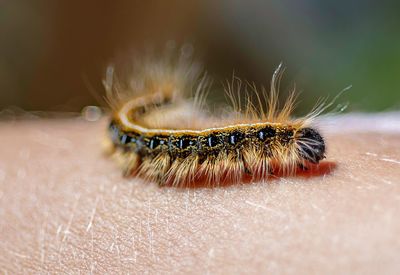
311, 145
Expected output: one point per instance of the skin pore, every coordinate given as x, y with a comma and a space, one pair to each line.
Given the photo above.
65, 208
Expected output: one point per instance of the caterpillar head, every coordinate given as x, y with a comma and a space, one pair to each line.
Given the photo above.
311, 145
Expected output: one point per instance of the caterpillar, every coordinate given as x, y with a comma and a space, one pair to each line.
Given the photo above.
157, 133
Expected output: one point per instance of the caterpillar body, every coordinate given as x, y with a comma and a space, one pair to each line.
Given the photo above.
156, 136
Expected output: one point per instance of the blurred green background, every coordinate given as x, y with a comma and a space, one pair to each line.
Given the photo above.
47, 47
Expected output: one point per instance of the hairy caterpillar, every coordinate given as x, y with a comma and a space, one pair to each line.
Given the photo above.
159, 135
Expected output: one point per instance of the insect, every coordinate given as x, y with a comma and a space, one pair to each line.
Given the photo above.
158, 134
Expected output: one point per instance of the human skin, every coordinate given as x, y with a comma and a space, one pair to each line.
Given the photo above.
65, 208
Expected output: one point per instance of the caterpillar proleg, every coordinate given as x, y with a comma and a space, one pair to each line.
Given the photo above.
160, 135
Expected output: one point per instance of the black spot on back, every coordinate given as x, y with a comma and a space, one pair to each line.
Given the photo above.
125, 139
153, 143
212, 140
235, 137
156, 141
265, 133
185, 141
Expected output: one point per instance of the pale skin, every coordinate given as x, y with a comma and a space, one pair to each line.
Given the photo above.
65, 208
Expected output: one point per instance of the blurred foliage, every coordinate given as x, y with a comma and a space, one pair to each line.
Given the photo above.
48, 47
